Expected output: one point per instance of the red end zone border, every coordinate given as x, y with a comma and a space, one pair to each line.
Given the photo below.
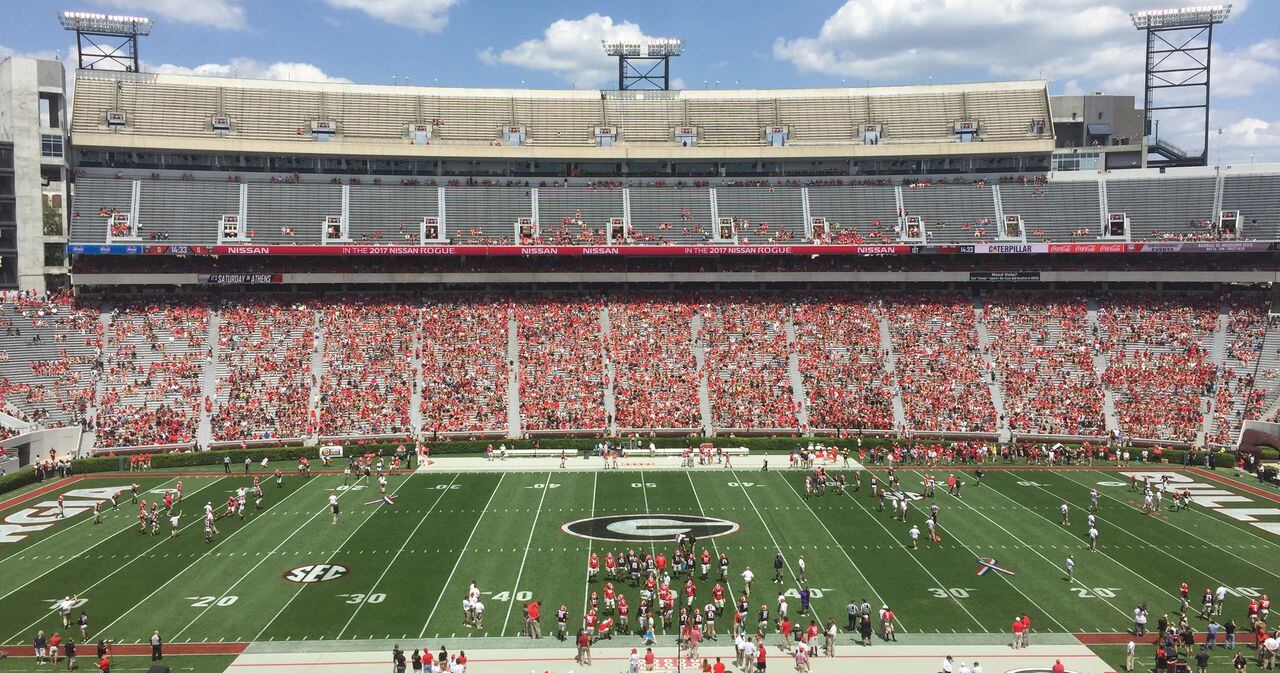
1228, 481
121, 650
36, 493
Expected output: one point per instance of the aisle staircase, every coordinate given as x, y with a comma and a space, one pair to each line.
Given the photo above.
891, 368
1110, 419
704, 390
992, 381
513, 379
415, 363
317, 373
798, 394
209, 381
1217, 355
610, 402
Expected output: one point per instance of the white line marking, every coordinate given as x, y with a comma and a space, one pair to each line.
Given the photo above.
586, 585
528, 543
846, 554
404, 544
461, 553
937, 583
24, 632
330, 557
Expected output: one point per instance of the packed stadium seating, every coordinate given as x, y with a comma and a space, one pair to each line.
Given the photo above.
655, 374
1042, 344
841, 357
561, 363
263, 369
155, 352
1158, 362
939, 364
1178, 366
747, 373
465, 363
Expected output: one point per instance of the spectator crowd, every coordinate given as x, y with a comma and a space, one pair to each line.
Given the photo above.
142, 372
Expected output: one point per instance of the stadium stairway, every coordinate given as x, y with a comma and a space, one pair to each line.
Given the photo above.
209, 381
317, 372
89, 438
1218, 355
988, 360
891, 367
797, 382
700, 358
513, 378
415, 395
610, 401
1267, 373
1110, 419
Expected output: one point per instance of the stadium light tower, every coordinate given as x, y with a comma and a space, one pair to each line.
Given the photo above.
1179, 55
106, 39
644, 65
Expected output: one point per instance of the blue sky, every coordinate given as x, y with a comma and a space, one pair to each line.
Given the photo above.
1080, 45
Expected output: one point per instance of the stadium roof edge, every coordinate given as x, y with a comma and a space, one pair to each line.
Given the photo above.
368, 148
585, 94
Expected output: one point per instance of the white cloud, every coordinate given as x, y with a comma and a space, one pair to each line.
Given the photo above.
1252, 133
1245, 71
892, 40
1088, 44
1244, 136
226, 14
570, 48
252, 69
1081, 45
428, 16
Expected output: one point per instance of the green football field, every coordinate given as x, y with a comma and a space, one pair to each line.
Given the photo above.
401, 571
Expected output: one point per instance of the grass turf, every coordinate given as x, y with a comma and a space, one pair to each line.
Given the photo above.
410, 564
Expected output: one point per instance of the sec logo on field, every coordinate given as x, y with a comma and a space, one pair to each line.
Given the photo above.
648, 527
320, 572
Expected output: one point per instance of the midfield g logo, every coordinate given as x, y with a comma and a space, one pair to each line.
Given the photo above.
648, 527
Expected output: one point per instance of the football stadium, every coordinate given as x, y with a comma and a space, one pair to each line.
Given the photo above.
306, 376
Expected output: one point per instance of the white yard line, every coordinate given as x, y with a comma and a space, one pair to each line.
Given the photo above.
896, 541
1139, 538
528, 543
653, 548
840, 546
65, 529
1058, 525
1003, 576
174, 637
586, 585
205, 555
1180, 530
399, 551
70, 557
25, 632
466, 545
777, 547
332, 556
728, 586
